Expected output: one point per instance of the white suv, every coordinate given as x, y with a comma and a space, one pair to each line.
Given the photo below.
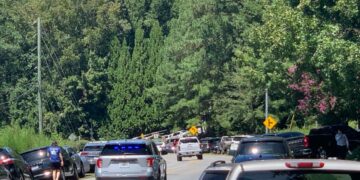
187, 147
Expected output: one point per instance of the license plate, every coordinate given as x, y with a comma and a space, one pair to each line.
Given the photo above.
34, 168
124, 164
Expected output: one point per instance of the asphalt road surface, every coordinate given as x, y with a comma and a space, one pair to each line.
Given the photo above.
187, 169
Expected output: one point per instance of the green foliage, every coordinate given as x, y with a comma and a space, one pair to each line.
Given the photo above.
116, 69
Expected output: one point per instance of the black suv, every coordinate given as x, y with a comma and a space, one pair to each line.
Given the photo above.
262, 147
14, 165
41, 165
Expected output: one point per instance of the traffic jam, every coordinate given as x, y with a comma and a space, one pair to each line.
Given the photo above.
275, 156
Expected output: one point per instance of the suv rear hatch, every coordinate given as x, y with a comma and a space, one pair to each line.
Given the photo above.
189, 145
37, 159
125, 159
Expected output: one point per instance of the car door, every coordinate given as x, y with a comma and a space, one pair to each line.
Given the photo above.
75, 157
68, 162
158, 159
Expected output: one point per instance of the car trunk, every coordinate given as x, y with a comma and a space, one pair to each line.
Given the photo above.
125, 165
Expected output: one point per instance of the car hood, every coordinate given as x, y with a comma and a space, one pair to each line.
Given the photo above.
250, 157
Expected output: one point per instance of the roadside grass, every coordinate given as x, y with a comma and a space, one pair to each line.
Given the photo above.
21, 139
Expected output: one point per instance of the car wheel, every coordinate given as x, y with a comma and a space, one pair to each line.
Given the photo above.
75, 175
82, 170
199, 157
179, 158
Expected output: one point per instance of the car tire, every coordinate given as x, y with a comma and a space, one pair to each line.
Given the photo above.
75, 175
200, 157
179, 158
82, 171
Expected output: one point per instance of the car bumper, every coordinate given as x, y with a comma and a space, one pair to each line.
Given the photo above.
45, 174
189, 153
145, 174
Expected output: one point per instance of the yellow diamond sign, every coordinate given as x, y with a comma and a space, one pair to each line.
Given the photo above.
193, 130
270, 122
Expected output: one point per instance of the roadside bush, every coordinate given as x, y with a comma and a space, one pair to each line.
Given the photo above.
21, 139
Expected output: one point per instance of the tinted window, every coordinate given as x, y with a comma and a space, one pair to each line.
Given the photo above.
266, 147
237, 138
189, 140
126, 149
3, 152
298, 175
93, 148
215, 175
291, 134
34, 155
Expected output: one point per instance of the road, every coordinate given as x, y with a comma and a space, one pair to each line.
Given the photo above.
189, 168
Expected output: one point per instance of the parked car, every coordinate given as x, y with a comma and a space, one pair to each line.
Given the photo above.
217, 170
225, 143
188, 147
296, 143
301, 169
235, 140
262, 147
91, 152
41, 166
130, 159
13, 165
4, 173
77, 159
322, 142
208, 144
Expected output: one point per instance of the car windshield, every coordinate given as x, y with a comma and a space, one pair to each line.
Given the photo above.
299, 175
265, 147
93, 148
189, 140
126, 149
215, 175
34, 155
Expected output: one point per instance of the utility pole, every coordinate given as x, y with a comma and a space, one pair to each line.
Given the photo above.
266, 108
39, 74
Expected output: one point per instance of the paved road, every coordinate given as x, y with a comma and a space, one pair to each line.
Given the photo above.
189, 168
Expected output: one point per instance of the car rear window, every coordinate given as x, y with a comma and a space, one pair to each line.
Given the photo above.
215, 175
34, 155
189, 140
298, 175
265, 147
126, 149
93, 148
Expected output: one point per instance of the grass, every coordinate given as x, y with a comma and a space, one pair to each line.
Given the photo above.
22, 139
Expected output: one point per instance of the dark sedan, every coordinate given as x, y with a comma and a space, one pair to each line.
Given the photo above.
13, 165
256, 148
41, 166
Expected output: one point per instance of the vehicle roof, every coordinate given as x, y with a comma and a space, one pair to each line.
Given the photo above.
95, 143
219, 165
189, 137
130, 141
262, 138
279, 164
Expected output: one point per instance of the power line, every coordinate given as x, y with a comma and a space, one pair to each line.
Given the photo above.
18, 97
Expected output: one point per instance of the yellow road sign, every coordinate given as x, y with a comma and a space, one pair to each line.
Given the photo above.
270, 122
193, 130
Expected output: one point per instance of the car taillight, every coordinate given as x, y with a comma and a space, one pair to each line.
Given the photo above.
99, 163
6, 161
306, 141
150, 162
304, 164
84, 153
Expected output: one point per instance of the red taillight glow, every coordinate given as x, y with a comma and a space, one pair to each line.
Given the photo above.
150, 162
6, 161
83, 153
99, 163
304, 164
306, 141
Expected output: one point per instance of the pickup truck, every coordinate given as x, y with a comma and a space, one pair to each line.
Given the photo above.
322, 141
187, 147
